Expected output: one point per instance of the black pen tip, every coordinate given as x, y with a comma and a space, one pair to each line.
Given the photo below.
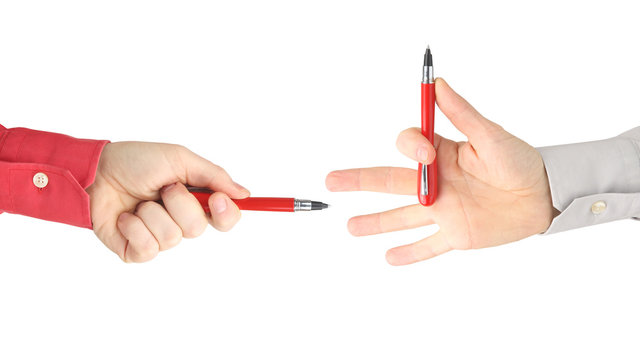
428, 61
317, 205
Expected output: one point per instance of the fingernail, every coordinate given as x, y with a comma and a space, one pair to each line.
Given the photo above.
167, 187
219, 204
423, 154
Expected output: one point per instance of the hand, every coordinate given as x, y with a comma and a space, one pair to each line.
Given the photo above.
132, 175
492, 189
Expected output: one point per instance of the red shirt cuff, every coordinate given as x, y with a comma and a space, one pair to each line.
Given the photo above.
68, 164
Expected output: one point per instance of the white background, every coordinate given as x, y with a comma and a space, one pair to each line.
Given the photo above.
280, 94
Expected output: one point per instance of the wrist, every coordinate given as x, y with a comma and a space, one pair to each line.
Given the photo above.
548, 212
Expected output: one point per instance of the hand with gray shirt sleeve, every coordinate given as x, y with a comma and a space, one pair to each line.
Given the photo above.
494, 188
594, 182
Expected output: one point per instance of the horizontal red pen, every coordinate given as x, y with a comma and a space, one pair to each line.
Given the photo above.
260, 203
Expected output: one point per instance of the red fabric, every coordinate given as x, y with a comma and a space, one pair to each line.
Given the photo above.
69, 163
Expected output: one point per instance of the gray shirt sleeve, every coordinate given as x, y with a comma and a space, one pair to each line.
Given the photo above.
594, 182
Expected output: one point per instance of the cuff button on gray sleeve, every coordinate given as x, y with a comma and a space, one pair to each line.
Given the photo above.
598, 207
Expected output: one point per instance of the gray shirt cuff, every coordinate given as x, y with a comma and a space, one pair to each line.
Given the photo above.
594, 182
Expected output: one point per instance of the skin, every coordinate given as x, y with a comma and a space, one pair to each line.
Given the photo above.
492, 188
131, 176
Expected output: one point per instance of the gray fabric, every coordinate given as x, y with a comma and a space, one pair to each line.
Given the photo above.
584, 173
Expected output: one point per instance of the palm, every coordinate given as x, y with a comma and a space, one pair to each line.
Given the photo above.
479, 191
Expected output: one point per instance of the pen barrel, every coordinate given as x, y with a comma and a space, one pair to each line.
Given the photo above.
266, 204
428, 100
250, 203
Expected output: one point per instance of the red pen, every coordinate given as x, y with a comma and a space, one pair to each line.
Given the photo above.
427, 175
260, 203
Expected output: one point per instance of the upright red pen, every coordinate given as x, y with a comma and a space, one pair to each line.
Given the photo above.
428, 175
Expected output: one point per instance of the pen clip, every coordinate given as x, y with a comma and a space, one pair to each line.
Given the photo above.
424, 181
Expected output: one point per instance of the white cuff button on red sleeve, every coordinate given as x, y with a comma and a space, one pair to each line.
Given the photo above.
40, 180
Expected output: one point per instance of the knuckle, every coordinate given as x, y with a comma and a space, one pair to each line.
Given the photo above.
194, 229
494, 129
227, 224
219, 171
172, 239
149, 246
146, 252
145, 206
123, 220
178, 153
174, 194
409, 139
180, 149
388, 180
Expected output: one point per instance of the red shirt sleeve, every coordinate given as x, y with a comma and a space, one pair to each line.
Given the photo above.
44, 175
2, 130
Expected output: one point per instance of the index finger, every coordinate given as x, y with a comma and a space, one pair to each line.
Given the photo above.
201, 172
392, 180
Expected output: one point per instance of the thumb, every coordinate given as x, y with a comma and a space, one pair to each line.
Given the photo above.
201, 172
462, 115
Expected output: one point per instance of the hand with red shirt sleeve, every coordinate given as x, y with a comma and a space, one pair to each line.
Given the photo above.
131, 176
113, 188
